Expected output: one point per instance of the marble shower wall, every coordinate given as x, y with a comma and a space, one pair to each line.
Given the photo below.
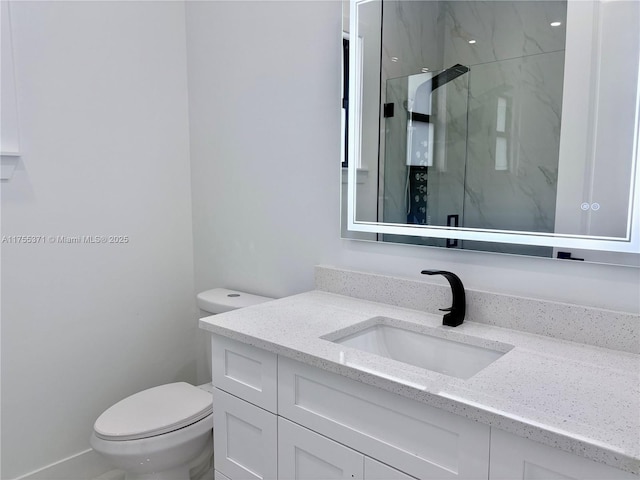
515, 101
413, 37
502, 29
516, 73
515, 189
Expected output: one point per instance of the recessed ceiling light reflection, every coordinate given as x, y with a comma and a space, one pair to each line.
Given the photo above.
425, 69
555, 24
394, 59
472, 42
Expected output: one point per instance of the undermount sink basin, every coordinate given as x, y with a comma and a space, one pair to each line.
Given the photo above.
457, 359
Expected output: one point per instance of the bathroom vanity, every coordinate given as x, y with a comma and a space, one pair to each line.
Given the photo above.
299, 393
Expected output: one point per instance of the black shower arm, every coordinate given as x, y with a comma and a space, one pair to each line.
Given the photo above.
448, 75
438, 81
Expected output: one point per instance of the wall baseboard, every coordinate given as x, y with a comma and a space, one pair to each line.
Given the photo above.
85, 465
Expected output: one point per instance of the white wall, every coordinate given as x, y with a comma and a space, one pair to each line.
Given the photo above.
264, 89
264, 84
104, 126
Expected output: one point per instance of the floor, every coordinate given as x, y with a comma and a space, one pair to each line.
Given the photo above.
119, 475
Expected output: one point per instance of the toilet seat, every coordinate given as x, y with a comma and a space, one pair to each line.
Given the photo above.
155, 411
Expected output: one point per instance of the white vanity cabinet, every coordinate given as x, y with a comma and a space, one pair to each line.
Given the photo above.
516, 457
276, 418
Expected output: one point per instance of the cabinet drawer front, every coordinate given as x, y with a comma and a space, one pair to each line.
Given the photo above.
245, 371
517, 457
244, 439
423, 441
305, 455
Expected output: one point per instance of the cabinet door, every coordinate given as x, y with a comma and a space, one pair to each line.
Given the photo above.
305, 455
516, 457
244, 439
374, 470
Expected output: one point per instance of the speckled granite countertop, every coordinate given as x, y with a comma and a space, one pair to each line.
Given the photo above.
579, 398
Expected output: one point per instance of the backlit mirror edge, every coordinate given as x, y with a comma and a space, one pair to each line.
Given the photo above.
630, 244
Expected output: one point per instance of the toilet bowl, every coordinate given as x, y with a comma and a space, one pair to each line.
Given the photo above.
156, 433
165, 432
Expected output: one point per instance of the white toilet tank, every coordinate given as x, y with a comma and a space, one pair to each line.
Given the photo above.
220, 300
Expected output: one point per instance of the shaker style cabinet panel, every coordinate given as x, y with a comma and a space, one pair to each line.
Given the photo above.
514, 457
244, 439
305, 455
245, 371
423, 441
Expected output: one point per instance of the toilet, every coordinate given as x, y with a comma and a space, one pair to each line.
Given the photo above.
165, 432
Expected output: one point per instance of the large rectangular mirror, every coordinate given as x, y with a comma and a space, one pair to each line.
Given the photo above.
507, 126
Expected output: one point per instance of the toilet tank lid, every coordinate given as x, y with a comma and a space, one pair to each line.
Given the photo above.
220, 300
154, 411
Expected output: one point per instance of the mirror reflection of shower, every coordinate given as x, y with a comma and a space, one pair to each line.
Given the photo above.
475, 144
531, 151
421, 138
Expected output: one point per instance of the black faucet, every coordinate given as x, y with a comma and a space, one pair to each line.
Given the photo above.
456, 313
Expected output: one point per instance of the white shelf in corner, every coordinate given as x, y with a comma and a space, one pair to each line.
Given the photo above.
9, 162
